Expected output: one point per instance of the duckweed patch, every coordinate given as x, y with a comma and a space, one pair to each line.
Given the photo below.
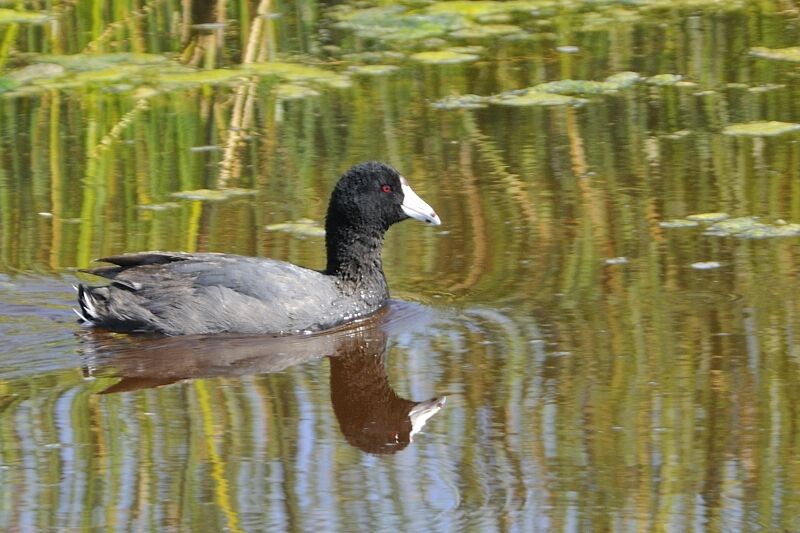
395, 23
708, 217
129, 72
535, 98
780, 54
484, 30
303, 227
367, 58
664, 79
769, 128
721, 225
706, 265
212, 195
190, 77
483, 8
679, 223
373, 70
85, 62
16, 16
464, 101
443, 57
159, 207
554, 93
296, 72
294, 91
36, 71
622, 80
571, 87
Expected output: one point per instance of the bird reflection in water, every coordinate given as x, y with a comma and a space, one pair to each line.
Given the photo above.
371, 416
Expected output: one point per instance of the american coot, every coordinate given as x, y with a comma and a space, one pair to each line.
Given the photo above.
180, 293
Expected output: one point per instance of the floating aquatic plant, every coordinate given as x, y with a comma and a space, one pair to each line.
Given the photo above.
395, 23
296, 72
781, 54
679, 223
706, 265
373, 70
17, 16
708, 217
303, 227
664, 79
294, 91
570, 87
535, 98
482, 8
444, 57
212, 195
159, 207
768, 128
463, 101
554, 93
480, 31
721, 225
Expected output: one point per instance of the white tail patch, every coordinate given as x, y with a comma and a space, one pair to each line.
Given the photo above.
88, 311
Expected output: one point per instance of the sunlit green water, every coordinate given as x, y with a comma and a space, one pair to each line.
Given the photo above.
603, 371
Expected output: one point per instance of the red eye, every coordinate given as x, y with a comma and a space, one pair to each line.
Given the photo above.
386, 188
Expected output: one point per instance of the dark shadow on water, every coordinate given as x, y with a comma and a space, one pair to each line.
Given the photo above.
371, 415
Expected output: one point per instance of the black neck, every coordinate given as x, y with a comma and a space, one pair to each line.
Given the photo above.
354, 256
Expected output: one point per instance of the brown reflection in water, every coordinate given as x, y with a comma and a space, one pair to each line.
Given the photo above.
371, 416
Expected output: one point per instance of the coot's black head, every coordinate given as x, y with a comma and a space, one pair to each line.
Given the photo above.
372, 196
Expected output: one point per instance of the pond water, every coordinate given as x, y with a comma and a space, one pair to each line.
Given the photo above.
600, 336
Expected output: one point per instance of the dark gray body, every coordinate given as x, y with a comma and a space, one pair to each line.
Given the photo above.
180, 293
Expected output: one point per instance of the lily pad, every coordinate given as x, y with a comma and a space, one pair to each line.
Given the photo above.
781, 54
766, 87
373, 70
709, 217
480, 31
464, 101
304, 227
468, 49
292, 71
534, 98
706, 265
679, 223
768, 128
495, 18
108, 75
571, 87
395, 23
293, 91
212, 195
482, 8
444, 57
664, 79
158, 207
14, 16
733, 226
373, 57
765, 231
84, 62
38, 70
741, 227
200, 77
621, 80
